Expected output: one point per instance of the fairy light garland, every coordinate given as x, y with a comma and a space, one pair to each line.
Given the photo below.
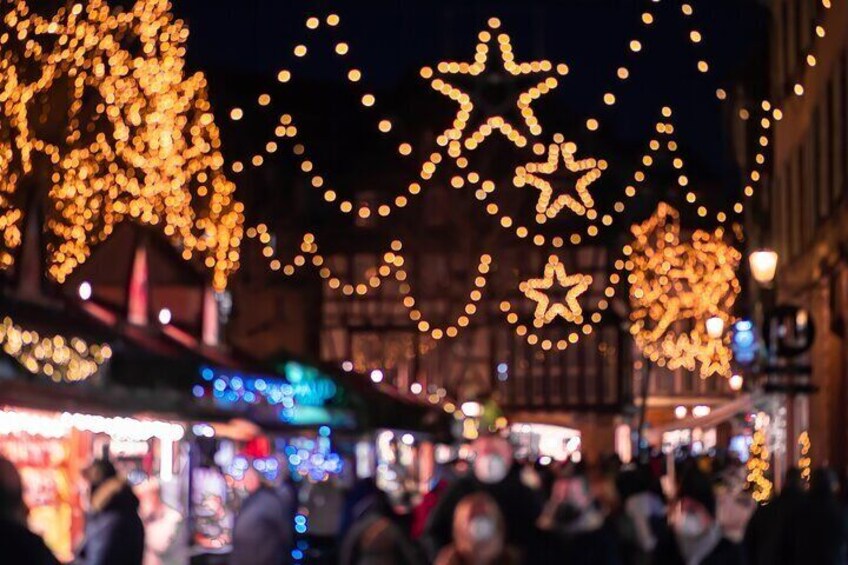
805, 462
758, 462
672, 282
59, 358
149, 151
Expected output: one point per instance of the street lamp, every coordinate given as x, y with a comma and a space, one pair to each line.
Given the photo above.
735, 382
715, 327
763, 263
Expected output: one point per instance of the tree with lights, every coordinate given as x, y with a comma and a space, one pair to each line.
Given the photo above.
101, 120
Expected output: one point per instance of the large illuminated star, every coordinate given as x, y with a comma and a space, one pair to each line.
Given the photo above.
496, 122
569, 308
564, 152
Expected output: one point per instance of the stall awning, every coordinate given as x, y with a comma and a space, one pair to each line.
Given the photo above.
719, 414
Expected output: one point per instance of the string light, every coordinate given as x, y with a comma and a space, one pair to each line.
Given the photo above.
674, 284
56, 357
805, 462
758, 462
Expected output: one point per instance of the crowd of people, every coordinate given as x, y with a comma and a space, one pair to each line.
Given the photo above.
493, 510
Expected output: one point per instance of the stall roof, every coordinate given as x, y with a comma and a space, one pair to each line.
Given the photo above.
154, 368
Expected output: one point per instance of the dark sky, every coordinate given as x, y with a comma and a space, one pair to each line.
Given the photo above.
248, 41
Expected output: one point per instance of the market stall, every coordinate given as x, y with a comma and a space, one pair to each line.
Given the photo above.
51, 449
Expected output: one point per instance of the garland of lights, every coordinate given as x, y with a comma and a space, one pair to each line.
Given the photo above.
672, 283
758, 462
61, 359
805, 462
148, 149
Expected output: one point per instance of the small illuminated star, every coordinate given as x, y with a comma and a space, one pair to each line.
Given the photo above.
488, 124
584, 204
569, 308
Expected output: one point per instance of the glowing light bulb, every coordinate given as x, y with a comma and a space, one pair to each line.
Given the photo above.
735, 382
85, 290
164, 316
763, 265
715, 327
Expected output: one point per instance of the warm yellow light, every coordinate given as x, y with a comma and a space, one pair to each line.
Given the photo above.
763, 263
715, 327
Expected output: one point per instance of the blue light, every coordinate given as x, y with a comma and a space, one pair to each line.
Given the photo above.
207, 374
249, 397
197, 391
297, 554
503, 368
300, 519
300, 529
236, 383
744, 326
324, 431
220, 385
260, 384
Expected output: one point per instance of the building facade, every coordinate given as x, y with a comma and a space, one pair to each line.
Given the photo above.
802, 210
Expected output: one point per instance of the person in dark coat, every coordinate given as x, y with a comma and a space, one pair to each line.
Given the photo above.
770, 535
494, 473
18, 545
821, 525
576, 530
696, 538
114, 532
374, 536
264, 529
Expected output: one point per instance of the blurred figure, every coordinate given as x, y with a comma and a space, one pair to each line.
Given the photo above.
443, 476
494, 473
113, 529
770, 535
734, 504
164, 532
478, 535
577, 530
18, 545
264, 530
821, 524
641, 522
324, 501
374, 538
697, 538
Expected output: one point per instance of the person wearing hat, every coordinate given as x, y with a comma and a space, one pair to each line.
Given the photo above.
696, 538
114, 533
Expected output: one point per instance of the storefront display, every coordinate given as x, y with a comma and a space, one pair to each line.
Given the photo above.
51, 450
545, 442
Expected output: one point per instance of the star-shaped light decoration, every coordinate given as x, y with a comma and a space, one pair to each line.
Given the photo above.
508, 69
569, 309
561, 151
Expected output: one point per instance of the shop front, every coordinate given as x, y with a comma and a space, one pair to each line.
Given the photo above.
51, 449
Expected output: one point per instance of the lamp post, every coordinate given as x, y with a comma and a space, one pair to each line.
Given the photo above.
763, 264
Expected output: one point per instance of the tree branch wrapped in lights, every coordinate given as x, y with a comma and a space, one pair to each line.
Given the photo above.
675, 287
139, 140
